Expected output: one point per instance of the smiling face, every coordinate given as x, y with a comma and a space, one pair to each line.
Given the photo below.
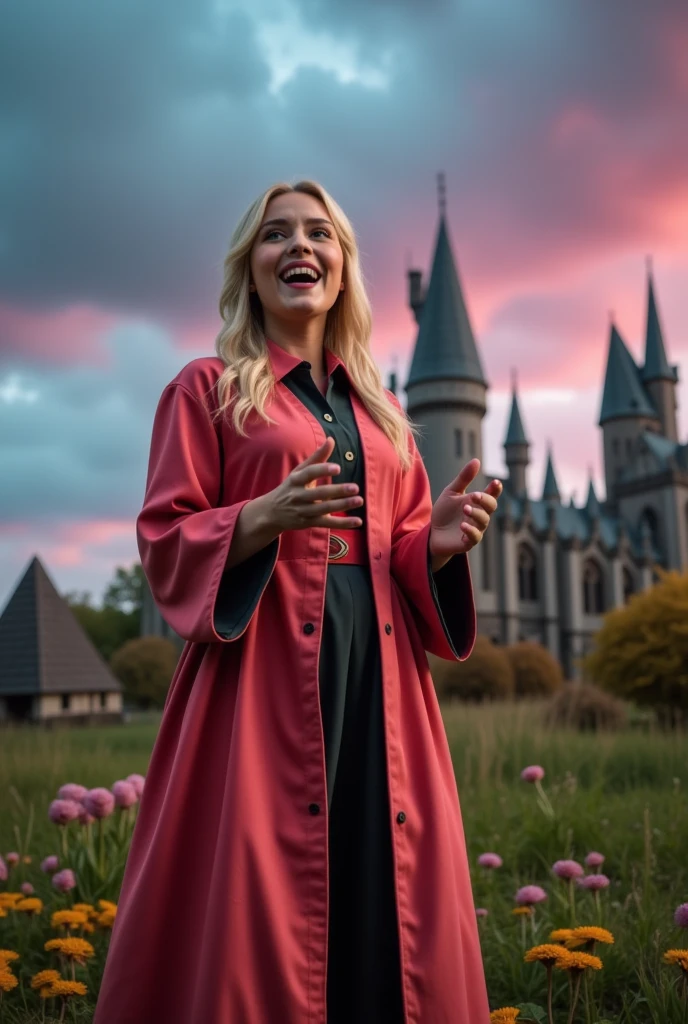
296, 229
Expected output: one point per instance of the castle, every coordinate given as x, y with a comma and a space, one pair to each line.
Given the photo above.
546, 571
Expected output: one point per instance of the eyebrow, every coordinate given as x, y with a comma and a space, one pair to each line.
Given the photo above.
309, 220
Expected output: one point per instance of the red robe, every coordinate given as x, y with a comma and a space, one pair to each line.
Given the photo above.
223, 911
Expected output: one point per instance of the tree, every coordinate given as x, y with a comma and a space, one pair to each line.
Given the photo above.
125, 591
145, 667
486, 674
641, 651
119, 618
537, 673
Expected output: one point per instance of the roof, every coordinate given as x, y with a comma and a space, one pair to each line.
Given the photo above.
592, 505
656, 363
515, 433
445, 346
624, 394
550, 488
43, 648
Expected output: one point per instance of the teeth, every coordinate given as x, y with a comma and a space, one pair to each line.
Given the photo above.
300, 270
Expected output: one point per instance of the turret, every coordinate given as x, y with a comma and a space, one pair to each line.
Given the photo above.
660, 379
516, 447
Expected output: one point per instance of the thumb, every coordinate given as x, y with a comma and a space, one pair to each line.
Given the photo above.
320, 453
469, 472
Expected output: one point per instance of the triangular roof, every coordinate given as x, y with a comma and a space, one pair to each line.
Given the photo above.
515, 433
550, 489
43, 648
656, 363
623, 394
592, 505
445, 346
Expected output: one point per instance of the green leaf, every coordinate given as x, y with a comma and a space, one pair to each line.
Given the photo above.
531, 1012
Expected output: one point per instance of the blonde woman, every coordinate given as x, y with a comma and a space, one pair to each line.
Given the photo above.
299, 856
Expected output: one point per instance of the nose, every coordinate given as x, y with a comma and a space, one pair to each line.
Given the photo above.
300, 243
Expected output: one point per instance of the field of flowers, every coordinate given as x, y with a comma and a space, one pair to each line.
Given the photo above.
577, 844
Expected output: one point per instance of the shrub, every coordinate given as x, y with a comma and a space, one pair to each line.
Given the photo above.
486, 674
537, 673
145, 667
585, 707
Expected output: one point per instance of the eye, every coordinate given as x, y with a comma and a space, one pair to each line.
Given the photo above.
323, 230
273, 232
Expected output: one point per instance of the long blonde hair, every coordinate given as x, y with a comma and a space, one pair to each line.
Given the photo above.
247, 380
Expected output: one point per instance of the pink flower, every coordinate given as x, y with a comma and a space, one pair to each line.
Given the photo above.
50, 864
72, 791
3, 870
63, 811
567, 869
481, 912
681, 915
594, 859
64, 880
137, 782
490, 860
530, 894
533, 773
99, 802
12, 858
593, 882
84, 817
124, 793
27, 888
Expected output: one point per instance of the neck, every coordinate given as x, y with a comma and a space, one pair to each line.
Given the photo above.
304, 341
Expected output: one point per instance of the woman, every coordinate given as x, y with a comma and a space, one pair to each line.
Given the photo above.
299, 856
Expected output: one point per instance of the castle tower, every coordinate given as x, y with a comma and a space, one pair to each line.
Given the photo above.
626, 410
659, 378
446, 387
550, 488
516, 447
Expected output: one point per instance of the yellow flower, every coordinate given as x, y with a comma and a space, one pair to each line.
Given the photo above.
30, 906
579, 962
3, 912
7, 979
522, 911
8, 899
70, 918
678, 957
88, 927
560, 934
106, 919
44, 978
507, 1015
86, 908
546, 954
63, 987
6, 955
107, 905
590, 934
72, 948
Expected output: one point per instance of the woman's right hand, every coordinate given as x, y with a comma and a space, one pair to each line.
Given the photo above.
299, 503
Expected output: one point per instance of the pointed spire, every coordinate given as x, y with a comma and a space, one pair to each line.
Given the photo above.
515, 433
445, 346
550, 489
623, 394
656, 363
592, 505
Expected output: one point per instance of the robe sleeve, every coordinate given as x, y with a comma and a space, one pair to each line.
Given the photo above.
442, 602
184, 539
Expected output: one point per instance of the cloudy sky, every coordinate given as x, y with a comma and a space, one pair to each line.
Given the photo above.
133, 135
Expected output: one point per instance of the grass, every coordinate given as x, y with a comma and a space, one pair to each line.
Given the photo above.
622, 794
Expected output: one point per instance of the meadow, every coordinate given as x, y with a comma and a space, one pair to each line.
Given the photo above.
620, 794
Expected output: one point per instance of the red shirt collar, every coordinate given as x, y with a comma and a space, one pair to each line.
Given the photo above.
283, 362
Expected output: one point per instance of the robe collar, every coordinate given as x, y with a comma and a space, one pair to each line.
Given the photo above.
284, 362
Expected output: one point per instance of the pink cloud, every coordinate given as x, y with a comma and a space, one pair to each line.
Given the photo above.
55, 336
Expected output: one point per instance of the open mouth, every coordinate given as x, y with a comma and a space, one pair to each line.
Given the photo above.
300, 277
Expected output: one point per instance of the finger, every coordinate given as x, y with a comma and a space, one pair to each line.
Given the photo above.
467, 474
326, 491
483, 500
307, 475
471, 531
319, 508
322, 451
338, 522
477, 515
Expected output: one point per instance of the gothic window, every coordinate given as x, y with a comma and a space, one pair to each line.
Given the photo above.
628, 584
593, 588
485, 563
649, 516
471, 443
527, 574
458, 442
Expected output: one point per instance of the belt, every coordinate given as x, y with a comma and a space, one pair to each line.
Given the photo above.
348, 547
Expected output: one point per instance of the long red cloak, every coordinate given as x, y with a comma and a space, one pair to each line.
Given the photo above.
223, 911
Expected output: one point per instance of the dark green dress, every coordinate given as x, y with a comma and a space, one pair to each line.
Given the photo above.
363, 974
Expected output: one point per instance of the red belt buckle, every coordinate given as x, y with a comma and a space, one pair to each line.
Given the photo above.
348, 547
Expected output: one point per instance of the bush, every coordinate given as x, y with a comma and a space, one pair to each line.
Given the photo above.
487, 674
585, 707
145, 667
537, 673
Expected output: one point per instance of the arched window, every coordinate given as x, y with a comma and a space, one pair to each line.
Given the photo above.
458, 443
628, 584
593, 588
527, 574
649, 516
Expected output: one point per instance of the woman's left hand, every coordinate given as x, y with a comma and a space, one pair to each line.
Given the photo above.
459, 520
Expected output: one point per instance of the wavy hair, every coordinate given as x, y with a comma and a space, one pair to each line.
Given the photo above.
247, 380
